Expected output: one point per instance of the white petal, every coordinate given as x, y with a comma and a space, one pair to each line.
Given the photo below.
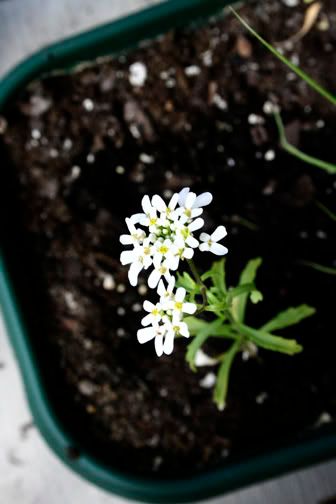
148, 306
153, 279
203, 199
184, 330
133, 273
126, 239
147, 320
158, 203
138, 218
182, 196
218, 249
192, 242
172, 262
173, 202
180, 294
196, 212
188, 253
205, 237
171, 285
161, 290
127, 257
168, 345
146, 334
130, 224
146, 204
189, 308
159, 344
190, 199
196, 224
204, 247
218, 234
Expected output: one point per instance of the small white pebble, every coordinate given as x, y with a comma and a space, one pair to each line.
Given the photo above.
36, 134
168, 193
291, 3
137, 74
88, 104
220, 148
170, 83
75, 172
231, 162
3, 125
146, 158
70, 301
192, 71
163, 392
254, 119
261, 398
269, 155
219, 102
295, 59
157, 462
136, 307
90, 158
320, 123
120, 170
269, 188
324, 418
121, 288
53, 153
207, 58
322, 235
208, 381
202, 359
121, 311
164, 75
67, 144
270, 108
108, 282
142, 289
121, 332
135, 131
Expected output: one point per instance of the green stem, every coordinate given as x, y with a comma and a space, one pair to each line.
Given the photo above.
326, 210
329, 167
198, 280
300, 73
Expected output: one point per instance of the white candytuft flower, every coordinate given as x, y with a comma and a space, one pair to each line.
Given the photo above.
162, 235
209, 242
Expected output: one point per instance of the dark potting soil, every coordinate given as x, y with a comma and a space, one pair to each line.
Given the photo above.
78, 154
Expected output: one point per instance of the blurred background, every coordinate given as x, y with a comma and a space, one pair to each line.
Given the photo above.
29, 472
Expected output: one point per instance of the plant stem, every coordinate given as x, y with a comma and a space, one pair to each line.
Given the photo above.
326, 210
329, 167
199, 282
309, 80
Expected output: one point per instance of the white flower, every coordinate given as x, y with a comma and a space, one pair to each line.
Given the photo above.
160, 270
139, 258
136, 235
155, 313
210, 242
191, 205
178, 306
166, 292
163, 338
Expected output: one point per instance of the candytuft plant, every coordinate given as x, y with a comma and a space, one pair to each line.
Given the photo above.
199, 305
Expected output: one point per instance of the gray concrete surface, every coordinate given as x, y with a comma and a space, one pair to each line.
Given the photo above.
29, 472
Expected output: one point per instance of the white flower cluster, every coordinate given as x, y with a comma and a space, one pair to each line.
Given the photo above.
161, 236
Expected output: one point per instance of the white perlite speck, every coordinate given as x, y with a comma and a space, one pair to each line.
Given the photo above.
88, 104
208, 381
269, 155
219, 102
192, 71
146, 158
202, 359
108, 282
254, 119
291, 3
137, 74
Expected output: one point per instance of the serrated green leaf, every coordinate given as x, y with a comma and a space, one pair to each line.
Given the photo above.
222, 382
288, 317
248, 276
269, 341
199, 340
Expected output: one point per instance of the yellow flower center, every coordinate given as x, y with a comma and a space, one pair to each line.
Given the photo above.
187, 212
163, 270
178, 305
163, 249
152, 221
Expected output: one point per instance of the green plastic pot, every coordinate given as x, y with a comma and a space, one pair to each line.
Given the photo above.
108, 39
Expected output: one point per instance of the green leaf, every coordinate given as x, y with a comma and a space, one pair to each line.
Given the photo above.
221, 387
319, 267
187, 282
246, 288
269, 341
199, 340
256, 296
195, 325
217, 275
247, 277
309, 80
294, 151
288, 317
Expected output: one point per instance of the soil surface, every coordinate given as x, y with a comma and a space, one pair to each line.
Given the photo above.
78, 153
